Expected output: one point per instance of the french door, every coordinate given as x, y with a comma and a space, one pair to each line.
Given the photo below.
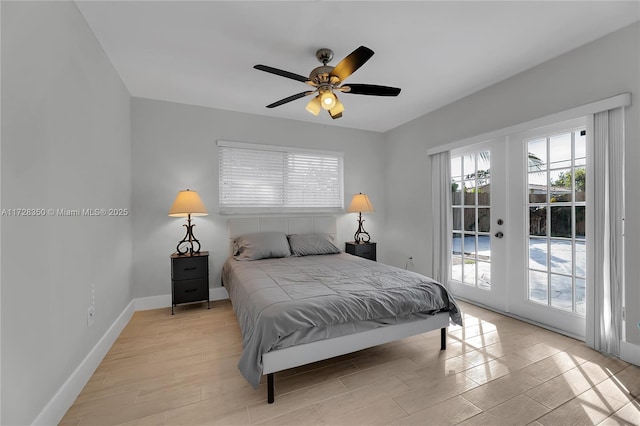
519, 225
479, 257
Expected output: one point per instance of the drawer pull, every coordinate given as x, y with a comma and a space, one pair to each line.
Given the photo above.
193, 268
191, 290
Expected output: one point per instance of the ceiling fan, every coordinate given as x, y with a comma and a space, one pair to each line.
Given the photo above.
328, 80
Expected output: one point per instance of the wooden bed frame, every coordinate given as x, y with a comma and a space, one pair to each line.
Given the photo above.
295, 356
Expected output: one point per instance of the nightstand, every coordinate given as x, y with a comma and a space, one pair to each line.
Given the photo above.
189, 279
366, 250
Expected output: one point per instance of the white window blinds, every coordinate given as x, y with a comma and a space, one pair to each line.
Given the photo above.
257, 178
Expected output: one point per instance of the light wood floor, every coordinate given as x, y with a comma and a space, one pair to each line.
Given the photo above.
181, 369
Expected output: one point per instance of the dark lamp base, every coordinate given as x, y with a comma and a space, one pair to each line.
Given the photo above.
189, 244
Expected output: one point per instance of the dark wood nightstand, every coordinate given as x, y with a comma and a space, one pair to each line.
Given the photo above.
189, 279
366, 250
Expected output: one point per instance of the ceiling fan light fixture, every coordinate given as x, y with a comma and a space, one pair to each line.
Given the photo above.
314, 105
337, 109
328, 99
327, 80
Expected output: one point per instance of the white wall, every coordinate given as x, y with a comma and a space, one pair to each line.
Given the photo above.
174, 148
598, 70
65, 144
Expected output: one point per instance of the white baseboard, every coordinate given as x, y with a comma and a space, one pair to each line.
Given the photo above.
218, 293
164, 301
152, 302
630, 352
69, 391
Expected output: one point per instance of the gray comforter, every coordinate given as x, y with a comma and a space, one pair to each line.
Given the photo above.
294, 300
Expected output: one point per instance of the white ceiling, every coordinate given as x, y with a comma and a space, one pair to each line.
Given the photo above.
203, 52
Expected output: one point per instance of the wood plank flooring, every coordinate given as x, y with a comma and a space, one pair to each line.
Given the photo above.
181, 370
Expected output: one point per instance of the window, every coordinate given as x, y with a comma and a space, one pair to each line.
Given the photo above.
257, 178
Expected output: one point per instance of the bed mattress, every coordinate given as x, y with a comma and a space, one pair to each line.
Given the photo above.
290, 301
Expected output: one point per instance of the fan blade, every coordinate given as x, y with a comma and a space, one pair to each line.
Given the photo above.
290, 98
352, 62
335, 116
372, 89
282, 73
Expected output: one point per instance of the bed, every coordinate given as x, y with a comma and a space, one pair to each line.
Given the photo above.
299, 299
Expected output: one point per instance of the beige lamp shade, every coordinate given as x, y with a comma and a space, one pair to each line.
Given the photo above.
314, 105
188, 203
360, 204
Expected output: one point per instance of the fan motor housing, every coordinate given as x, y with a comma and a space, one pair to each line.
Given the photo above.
321, 74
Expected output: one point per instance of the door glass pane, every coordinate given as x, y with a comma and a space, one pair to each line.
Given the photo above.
484, 275
469, 272
561, 292
580, 183
561, 222
561, 256
484, 193
456, 244
538, 253
456, 192
560, 151
469, 245
484, 247
484, 220
538, 221
483, 172
456, 167
468, 166
560, 185
581, 285
581, 259
580, 221
538, 291
538, 187
456, 268
484, 164
457, 219
537, 153
469, 219
470, 192
580, 148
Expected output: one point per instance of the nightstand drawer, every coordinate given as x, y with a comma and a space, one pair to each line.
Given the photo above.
365, 250
188, 268
190, 291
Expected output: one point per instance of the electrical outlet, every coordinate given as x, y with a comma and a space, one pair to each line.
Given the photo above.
91, 316
409, 265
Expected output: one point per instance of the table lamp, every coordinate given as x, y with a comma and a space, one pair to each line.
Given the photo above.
360, 203
188, 203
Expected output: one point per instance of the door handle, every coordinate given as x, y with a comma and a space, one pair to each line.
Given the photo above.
499, 234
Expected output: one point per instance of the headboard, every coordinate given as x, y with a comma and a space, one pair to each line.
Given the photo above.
288, 225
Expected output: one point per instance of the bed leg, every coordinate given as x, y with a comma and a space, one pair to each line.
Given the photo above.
443, 338
270, 393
